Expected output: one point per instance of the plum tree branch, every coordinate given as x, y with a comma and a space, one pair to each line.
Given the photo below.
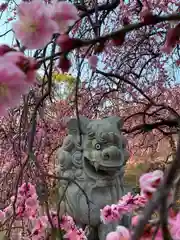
128, 28
131, 27
126, 81
150, 126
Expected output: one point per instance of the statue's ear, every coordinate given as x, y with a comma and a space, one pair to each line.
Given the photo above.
73, 125
115, 120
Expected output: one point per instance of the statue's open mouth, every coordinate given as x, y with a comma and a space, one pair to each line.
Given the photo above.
101, 170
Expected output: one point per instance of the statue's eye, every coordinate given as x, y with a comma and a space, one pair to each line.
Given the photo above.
97, 146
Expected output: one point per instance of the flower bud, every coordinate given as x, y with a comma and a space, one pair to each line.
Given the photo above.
147, 17
4, 49
172, 38
65, 43
3, 6
125, 21
64, 64
119, 39
93, 60
99, 47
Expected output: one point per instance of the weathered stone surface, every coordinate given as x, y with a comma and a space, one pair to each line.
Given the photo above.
97, 165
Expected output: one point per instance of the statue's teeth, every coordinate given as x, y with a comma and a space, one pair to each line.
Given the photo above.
96, 165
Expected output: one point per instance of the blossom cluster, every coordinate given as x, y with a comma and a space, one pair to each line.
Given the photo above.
27, 208
18, 72
17, 75
27, 203
36, 19
42, 225
126, 204
129, 203
123, 233
149, 183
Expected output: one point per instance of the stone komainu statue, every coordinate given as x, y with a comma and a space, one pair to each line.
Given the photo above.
97, 165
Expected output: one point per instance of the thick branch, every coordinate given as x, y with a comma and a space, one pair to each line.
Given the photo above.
131, 27
150, 126
128, 28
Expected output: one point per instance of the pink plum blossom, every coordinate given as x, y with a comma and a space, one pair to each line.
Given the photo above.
31, 201
65, 43
54, 218
172, 213
113, 236
12, 85
27, 189
115, 211
106, 214
10, 19
132, 202
34, 28
175, 227
27, 208
26, 203
127, 199
30, 212
39, 229
124, 232
176, 234
67, 222
3, 6
126, 204
149, 182
139, 201
134, 220
72, 232
121, 233
172, 38
147, 16
65, 14
178, 62
4, 49
75, 234
27, 65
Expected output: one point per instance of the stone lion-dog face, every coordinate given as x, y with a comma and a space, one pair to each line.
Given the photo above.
104, 147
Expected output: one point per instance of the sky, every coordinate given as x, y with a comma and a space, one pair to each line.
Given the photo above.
4, 27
